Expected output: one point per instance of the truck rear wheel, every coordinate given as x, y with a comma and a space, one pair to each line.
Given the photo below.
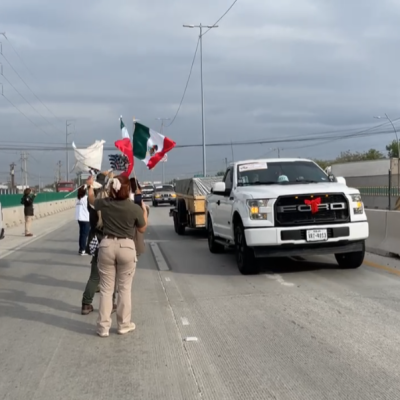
181, 216
213, 246
245, 258
179, 229
351, 260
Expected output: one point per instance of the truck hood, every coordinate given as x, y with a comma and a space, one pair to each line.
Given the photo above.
274, 191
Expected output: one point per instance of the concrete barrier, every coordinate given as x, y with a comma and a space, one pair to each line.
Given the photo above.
384, 231
13, 216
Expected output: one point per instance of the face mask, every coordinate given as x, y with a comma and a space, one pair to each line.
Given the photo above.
132, 196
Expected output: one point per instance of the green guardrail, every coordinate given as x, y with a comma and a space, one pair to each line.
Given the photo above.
381, 191
14, 200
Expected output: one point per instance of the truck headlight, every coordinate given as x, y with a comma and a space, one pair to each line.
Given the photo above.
257, 208
357, 204
158, 196
173, 195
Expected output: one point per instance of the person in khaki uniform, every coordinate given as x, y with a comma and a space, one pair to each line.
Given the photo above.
117, 253
27, 200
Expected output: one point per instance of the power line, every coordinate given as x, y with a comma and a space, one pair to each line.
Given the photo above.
220, 144
16, 52
37, 126
34, 109
223, 15
187, 84
20, 77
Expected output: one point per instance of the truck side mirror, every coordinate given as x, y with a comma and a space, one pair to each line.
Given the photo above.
219, 188
340, 179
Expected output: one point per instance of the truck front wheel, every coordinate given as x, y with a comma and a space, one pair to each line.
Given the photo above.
350, 260
213, 246
245, 258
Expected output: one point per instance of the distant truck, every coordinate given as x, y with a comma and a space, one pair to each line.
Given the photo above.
66, 187
147, 191
190, 208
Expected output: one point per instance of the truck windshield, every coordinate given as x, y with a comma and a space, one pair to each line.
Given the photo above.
66, 185
148, 188
280, 173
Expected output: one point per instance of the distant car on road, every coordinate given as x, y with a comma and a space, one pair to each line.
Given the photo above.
147, 192
164, 194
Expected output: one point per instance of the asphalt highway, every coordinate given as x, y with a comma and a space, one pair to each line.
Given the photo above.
301, 329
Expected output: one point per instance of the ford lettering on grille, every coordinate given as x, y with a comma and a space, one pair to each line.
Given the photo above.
332, 208
306, 208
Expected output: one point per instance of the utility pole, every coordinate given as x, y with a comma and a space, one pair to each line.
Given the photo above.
24, 172
59, 164
161, 131
226, 163
12, 174
67, 124
203, 128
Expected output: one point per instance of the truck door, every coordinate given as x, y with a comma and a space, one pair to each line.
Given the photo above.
224, 210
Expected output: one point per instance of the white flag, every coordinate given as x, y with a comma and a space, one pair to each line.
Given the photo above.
90, 158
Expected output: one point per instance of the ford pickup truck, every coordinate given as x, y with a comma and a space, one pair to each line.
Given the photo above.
285, 208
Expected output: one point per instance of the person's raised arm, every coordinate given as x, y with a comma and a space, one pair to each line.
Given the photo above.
142, 229
91, 197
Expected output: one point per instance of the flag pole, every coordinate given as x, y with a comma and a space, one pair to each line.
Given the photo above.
133, 132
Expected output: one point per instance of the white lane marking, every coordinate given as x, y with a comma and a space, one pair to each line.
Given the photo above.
185, 321
191, 339
160, 260
168, 279
280, 280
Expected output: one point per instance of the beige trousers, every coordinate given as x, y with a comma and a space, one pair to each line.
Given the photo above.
28, 223
117, 265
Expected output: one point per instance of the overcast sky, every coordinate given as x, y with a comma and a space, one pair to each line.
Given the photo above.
272, 69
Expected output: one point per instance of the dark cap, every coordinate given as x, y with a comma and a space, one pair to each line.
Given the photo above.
101, 178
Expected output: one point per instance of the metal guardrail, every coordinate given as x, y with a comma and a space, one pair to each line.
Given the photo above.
14, 200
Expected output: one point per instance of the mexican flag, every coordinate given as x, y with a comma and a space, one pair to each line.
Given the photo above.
125, 146
150, 146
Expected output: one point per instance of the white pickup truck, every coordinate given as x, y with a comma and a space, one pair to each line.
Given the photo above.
285, 208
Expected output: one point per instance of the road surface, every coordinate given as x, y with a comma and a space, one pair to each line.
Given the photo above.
299, 330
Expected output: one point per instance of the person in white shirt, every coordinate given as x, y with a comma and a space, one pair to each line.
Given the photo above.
82, 216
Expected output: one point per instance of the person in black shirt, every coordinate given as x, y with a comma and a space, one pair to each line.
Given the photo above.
27, 201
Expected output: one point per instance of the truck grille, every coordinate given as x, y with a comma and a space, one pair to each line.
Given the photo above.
294, 210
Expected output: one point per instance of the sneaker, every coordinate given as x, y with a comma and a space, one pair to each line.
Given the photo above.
130, 328
28, 234
83, 253
86, 309
103, 334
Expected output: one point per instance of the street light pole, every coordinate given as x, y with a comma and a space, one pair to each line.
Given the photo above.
203, 127
398, 151
67, 124
161, 131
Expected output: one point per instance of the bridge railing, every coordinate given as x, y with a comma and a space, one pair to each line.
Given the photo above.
14, 200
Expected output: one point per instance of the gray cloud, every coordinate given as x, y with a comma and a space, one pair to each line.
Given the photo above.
272, 69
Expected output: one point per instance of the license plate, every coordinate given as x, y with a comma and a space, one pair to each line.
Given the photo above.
317, 235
